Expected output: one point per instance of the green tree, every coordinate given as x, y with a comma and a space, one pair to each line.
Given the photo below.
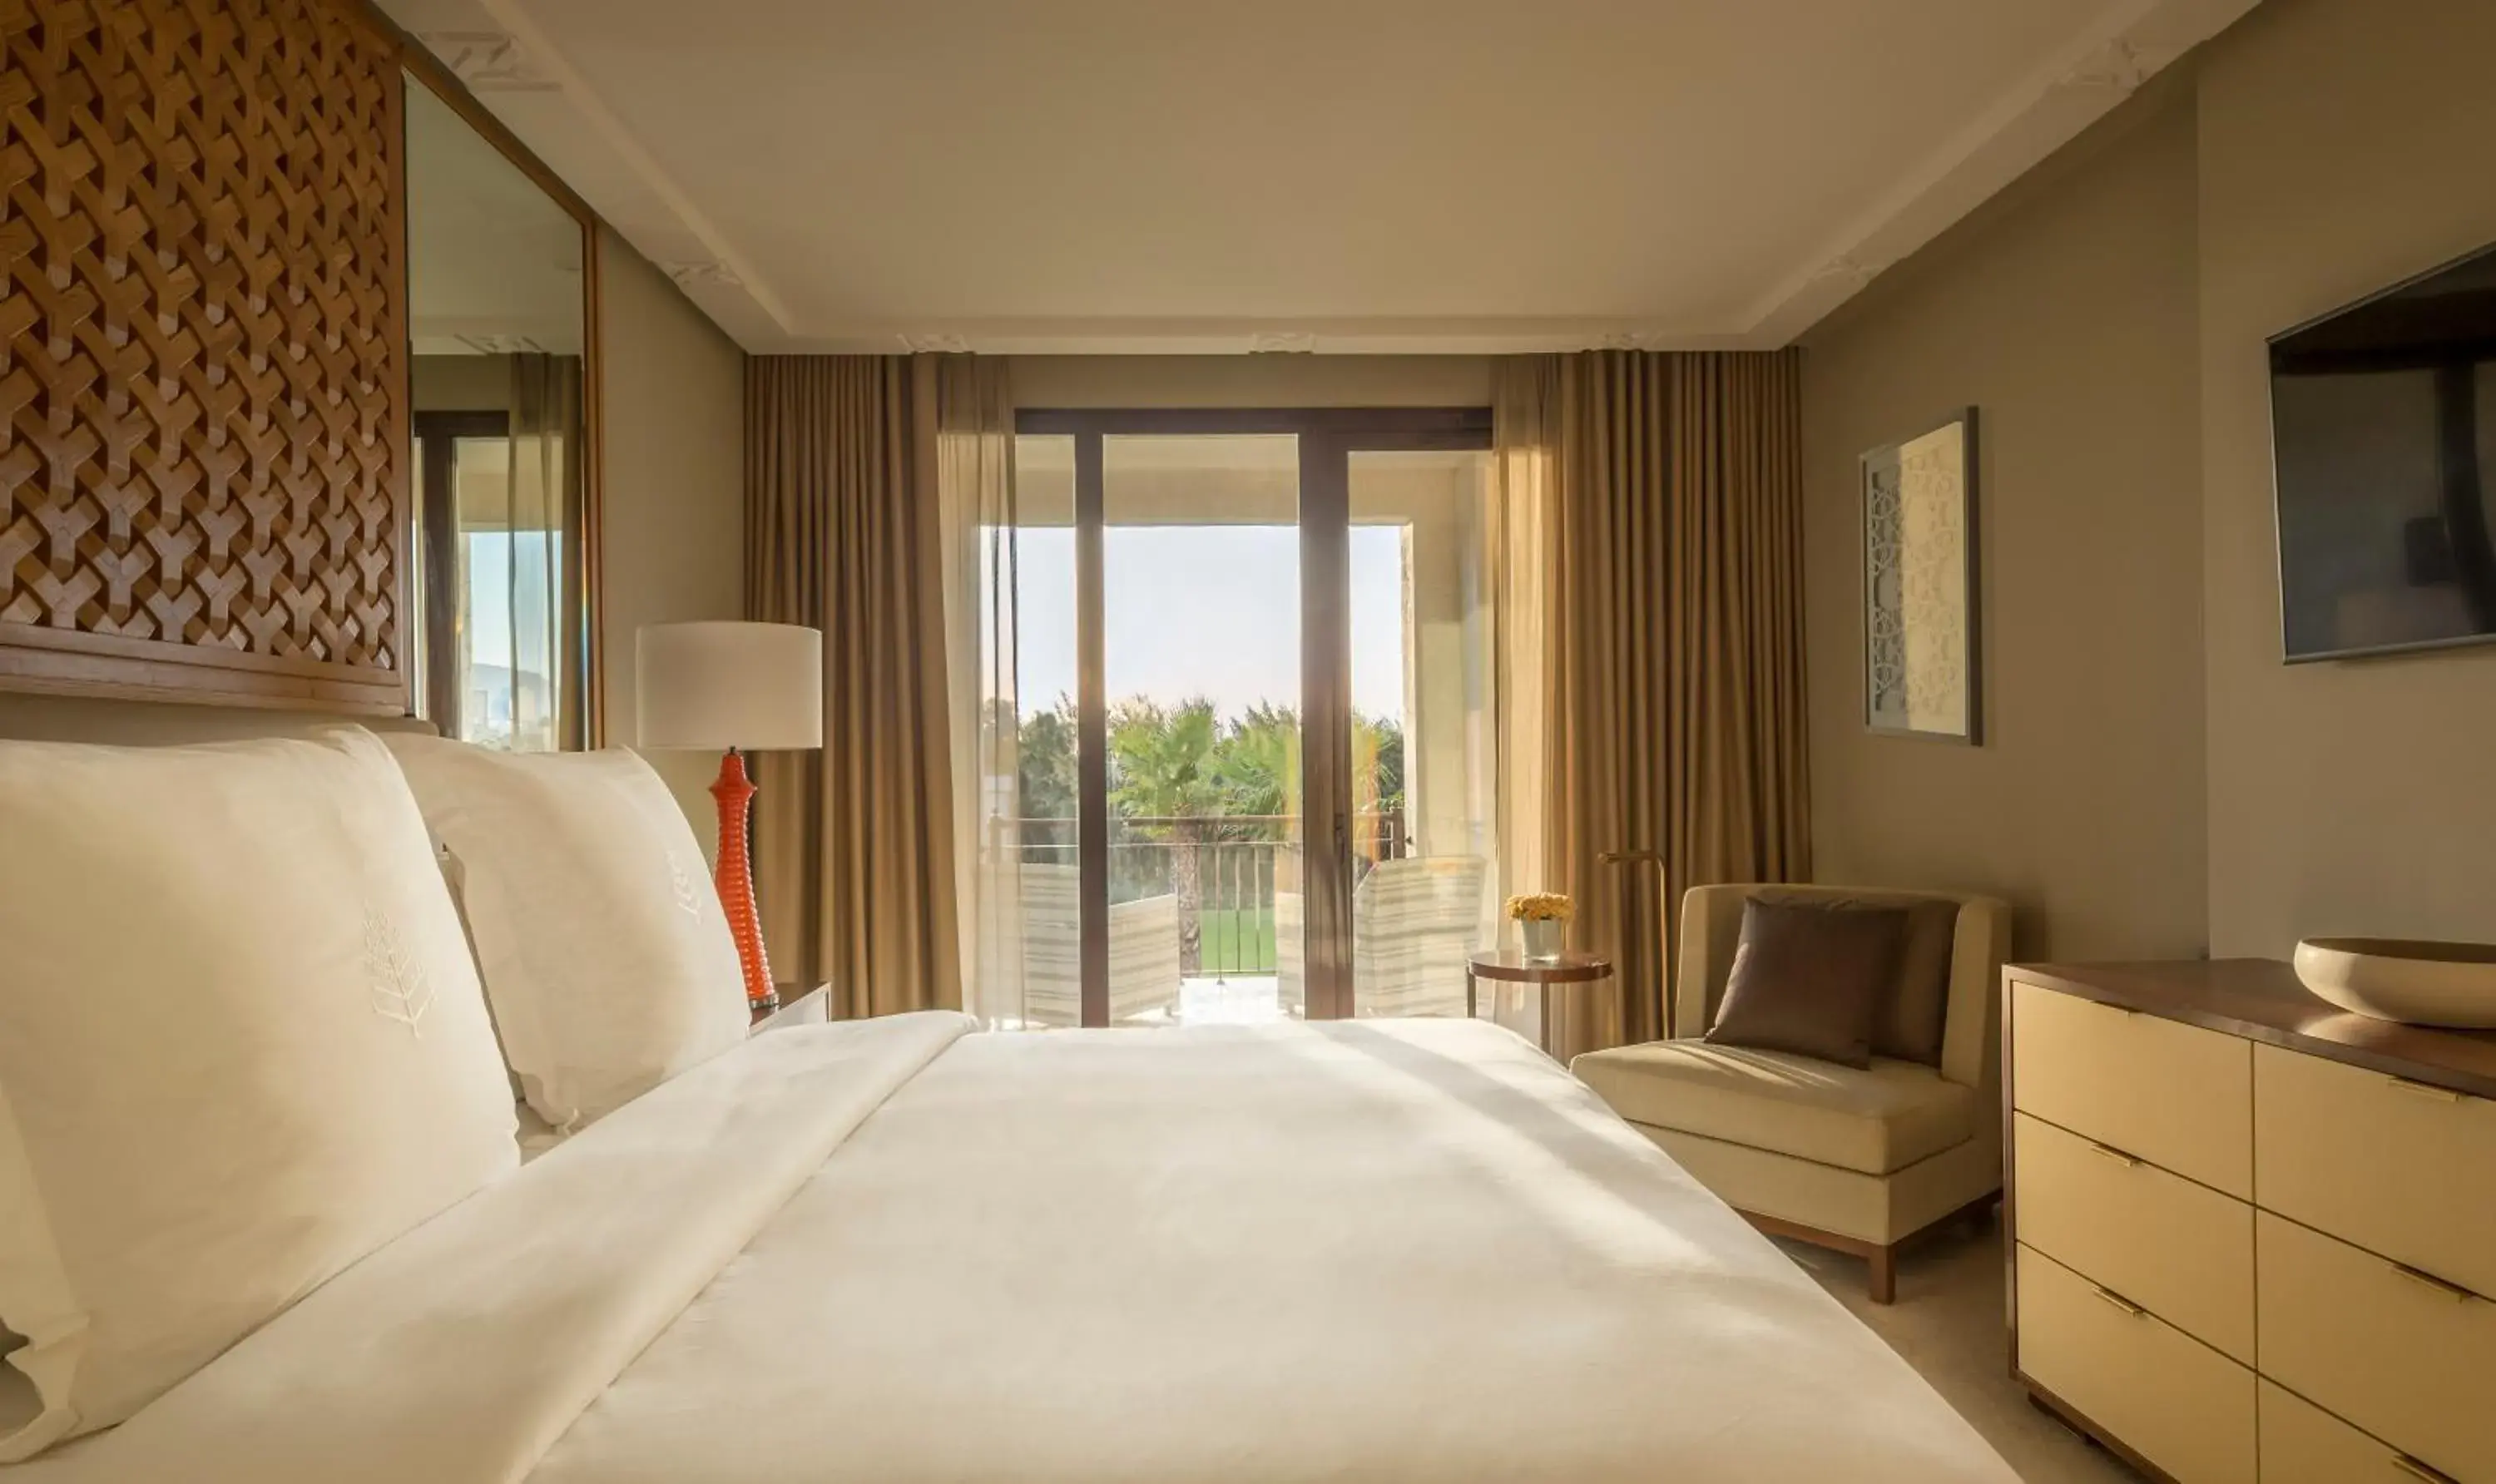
1378, 746
1046, 775
1162, 783
1184, 779
1376, 787
1256, 763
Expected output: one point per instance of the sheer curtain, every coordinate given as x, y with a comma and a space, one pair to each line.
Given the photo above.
1651, 650
975, 479
516, 627
880, 509
1524, 527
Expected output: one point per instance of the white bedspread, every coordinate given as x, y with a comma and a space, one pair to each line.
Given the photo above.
892, 1251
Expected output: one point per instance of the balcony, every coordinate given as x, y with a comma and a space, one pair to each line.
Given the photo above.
1206, 921
1198, 637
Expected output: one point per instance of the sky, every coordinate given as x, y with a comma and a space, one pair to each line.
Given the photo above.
1191, 610
488, 616
1204, 611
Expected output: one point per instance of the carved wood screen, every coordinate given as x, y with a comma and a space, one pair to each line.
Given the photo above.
202, 342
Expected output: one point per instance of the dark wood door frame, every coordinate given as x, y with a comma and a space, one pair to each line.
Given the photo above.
1389, 428
1328, 438
1092, 737
1325, 726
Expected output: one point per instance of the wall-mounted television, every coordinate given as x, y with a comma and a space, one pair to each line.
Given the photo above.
2382, 445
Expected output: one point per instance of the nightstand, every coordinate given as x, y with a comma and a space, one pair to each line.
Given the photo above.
1511, 966
811, 1009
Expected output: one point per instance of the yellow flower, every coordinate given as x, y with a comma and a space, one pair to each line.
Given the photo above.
1542, 907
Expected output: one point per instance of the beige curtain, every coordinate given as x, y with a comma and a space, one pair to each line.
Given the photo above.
1651, 649
868, 479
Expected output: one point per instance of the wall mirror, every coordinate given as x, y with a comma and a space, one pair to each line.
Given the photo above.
1919, 595
501, 277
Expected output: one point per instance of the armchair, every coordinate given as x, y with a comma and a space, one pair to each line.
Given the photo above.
1857, 1161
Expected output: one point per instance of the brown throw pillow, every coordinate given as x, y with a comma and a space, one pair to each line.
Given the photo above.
1810, 980
1911, 1028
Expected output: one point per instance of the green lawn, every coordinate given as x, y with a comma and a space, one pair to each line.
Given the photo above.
1240, 941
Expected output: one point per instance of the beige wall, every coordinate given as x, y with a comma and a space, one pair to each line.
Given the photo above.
2344, 145
674, 468
2063, 312
2156, 777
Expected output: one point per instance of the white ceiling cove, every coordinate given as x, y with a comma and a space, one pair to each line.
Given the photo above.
1329, 176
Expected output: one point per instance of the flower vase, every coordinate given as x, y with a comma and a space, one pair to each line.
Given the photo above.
1541, 939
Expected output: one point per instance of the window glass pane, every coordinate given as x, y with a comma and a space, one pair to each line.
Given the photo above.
1047, 891
510, 582
1424, 779
1200, 655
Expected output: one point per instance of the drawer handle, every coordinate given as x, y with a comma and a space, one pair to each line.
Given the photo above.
2426, 1090
2128, 1161
2431, 1280
2119, 1301
2418, 1471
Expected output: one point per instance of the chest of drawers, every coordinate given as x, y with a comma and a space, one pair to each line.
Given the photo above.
2253, 1237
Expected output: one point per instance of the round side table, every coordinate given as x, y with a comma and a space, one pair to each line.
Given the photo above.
1509, 966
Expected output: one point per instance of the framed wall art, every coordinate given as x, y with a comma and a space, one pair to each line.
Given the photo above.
1919, 585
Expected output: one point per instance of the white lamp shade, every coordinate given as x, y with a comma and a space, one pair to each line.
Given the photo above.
714, 686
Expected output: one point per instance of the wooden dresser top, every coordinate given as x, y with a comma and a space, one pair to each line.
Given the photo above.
2261, 998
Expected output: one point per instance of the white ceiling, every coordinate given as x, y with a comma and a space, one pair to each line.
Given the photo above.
1354, 175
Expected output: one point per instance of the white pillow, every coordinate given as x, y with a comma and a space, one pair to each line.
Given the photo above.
241, 1045
604, 947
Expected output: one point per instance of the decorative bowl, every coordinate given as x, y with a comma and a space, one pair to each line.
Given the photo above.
2421, 983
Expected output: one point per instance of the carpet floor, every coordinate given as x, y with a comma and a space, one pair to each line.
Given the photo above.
1948, 1322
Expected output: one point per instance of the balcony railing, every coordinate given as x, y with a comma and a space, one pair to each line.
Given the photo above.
1224, 870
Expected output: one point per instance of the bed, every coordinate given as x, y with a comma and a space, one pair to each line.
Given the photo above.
904, 1249
262, 1219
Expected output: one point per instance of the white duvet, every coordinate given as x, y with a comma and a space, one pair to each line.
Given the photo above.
896, 1251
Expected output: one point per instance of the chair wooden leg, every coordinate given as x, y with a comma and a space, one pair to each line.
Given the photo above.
1880, 1259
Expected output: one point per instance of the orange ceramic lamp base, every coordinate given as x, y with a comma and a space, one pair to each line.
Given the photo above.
735, 876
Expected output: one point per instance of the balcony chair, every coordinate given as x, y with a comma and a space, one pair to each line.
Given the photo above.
1413, 923
1143, 951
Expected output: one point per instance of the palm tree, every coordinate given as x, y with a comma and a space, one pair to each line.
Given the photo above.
1256, 763
1181, 776
1162, 780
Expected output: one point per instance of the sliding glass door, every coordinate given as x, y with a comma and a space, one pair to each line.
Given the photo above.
1201, 681
1231, 625
1424, 790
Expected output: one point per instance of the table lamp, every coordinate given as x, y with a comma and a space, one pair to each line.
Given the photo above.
741, 688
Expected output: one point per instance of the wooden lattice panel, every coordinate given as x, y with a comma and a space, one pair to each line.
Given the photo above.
202, 332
